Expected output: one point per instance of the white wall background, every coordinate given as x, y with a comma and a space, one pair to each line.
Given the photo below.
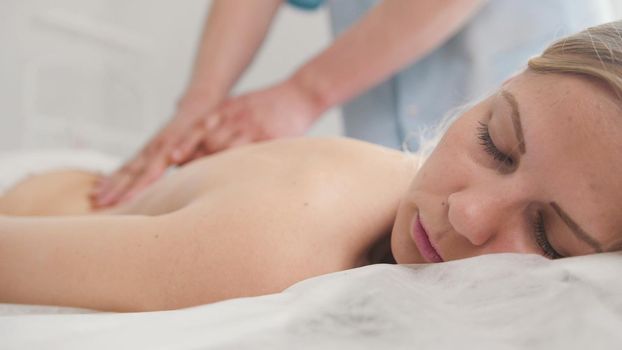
105, 74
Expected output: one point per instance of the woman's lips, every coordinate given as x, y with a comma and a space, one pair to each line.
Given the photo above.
422, 240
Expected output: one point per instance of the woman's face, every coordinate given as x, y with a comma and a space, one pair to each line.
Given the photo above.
535, 168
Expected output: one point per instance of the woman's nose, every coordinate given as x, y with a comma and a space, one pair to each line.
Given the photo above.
478, 215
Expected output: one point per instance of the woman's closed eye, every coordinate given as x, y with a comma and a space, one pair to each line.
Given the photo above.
483, 134
542, 238
506, 161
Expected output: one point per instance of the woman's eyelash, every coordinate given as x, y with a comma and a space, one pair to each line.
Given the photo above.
542, 240
483, 134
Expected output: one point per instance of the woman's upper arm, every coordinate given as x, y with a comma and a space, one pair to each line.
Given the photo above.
120, 263
200, 254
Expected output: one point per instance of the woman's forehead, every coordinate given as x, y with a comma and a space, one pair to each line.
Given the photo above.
566, 96
568, 115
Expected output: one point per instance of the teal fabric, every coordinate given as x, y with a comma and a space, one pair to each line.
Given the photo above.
306, 4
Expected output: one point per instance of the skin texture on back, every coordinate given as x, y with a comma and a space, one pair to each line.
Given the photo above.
246, 222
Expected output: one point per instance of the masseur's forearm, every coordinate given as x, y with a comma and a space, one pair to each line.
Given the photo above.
392, 35
232, 35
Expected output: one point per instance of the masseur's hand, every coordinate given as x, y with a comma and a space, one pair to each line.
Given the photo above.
279, 111
282, 110
154, 158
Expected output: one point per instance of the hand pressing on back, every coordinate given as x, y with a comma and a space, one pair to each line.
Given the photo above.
283, 110
154, 158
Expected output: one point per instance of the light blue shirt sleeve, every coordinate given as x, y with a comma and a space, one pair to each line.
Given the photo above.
308, 5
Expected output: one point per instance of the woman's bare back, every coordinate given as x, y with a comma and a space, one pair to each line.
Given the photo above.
261, 217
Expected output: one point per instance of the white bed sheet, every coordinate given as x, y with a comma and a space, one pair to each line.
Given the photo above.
504, 301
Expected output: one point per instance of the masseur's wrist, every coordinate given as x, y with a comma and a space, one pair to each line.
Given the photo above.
314, 88
199, 100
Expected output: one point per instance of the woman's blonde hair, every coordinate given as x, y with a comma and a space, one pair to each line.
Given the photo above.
595, 53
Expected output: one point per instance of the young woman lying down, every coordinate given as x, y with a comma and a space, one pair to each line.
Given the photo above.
531, 169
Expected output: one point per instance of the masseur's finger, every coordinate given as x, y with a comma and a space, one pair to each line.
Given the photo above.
202, 129
218, 140
198, 152
185, 149
105, 185
239, 139
129, 169
150, 174
130, 183
113, 190
115, 185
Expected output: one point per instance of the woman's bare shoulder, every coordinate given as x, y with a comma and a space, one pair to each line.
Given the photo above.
357, 159
307, 158
334, 151
325, 162
337, 145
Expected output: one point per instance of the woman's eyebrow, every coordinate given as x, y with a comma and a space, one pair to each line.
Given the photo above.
518, 128
576, 229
